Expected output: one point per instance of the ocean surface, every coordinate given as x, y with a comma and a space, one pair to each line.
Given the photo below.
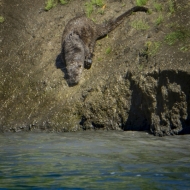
94, 160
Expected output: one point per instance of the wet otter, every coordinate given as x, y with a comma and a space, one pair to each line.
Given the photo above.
79, 39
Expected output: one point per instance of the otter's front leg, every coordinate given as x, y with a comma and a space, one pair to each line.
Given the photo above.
88, 58
88, 61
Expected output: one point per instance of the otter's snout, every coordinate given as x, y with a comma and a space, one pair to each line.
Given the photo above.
74, 73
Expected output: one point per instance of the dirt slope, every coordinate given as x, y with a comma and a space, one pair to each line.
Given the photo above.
139, 79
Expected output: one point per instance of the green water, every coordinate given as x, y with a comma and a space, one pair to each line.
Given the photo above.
94, 160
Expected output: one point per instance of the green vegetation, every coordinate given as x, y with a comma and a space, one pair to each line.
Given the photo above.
140, 67
2, 19
171, 6
185, 48
98, 3
173, 25
160, 19
179, 35
108, 50
90, 6
101, 11
52, 3
152, 47
63, 2
89, 9
140, 25
158, 7
141, 2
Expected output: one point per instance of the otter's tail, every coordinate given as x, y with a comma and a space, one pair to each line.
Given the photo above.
113, 23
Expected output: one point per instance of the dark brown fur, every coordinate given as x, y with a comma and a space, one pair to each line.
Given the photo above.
79, 39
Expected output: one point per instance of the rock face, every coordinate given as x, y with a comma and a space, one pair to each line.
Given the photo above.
154, 101
139, 80
162, 102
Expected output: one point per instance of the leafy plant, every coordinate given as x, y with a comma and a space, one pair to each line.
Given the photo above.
141, 2
140, 25
2, 19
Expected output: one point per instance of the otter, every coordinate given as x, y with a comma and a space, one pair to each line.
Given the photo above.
78, 41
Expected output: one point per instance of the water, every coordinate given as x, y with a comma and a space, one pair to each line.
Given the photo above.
94, 160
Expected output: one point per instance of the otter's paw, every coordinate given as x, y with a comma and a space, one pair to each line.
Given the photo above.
87, 63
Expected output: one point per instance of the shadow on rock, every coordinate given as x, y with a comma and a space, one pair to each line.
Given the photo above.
60, 64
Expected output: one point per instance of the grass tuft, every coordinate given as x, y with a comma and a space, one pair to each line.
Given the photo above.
171, 6
173, 37
90, 6
140, 25
108, 50
152, 47
158, 7
185, 48
159, 20
2, 19
98, 3
141, 2
63, 2
50, 4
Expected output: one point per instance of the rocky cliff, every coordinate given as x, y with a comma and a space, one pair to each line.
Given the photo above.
139, 80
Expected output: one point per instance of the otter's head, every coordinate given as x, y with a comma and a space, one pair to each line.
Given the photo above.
74, 72
73, 50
